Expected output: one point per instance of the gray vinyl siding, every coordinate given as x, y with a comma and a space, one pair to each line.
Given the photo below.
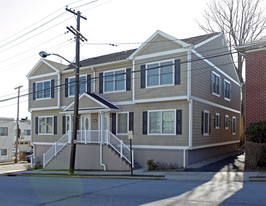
166, 140
159, 44
201, 85
217, 52
216, 135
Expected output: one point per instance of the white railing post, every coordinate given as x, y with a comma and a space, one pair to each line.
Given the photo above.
121, 148
55, 148
43, 160
86, 132
132, 159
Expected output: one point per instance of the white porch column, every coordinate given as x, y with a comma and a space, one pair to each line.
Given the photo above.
103, 136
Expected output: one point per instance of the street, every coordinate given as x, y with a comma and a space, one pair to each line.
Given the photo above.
25, 190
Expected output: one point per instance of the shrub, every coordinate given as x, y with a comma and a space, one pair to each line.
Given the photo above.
152, 165
255, 155
257, 132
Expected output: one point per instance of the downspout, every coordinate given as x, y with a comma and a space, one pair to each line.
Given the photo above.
59, 91
189, 97
101, 143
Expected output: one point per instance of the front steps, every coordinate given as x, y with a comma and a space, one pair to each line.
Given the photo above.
88, 158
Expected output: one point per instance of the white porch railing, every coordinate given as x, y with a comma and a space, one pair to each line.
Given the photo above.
57, 147
90, 137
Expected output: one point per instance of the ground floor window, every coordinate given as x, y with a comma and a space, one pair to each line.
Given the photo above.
233, 125
45, 125
161, 122
3, 152
205, 122
217, 121
226, 121
122, 123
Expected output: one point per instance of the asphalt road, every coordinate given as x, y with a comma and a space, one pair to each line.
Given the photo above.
21, 190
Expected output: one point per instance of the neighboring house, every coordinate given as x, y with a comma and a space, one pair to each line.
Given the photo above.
181, 99
6, 138
255, 54
25, 135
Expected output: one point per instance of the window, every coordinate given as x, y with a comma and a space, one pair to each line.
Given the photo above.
227, 90
26, 132
45, 125
217, 121
115, 81
122, 123
161, 73
205, 123
3, 131
44, 89
82, 85
233, 125
161, 122
216, 84
3, 152
226, 121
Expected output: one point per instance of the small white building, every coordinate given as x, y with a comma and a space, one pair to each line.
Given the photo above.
25, 135
6, 138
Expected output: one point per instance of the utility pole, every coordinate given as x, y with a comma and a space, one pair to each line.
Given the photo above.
17, 135
79, 36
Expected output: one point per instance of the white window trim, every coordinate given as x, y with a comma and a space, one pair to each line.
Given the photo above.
69, 95
117, 123
217, 123
39, 133
43, 98
226, 116
160, 85
164, 110
114, 70
215, 94
227, 99
208, 133
233, 118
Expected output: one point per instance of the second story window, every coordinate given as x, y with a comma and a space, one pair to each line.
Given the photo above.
115, 81
226, 121
43, 89
45, 125
82, 85
227, 90
161, 73
216, 84
217, 121
3, 131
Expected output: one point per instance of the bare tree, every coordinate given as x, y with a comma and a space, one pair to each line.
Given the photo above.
242, 21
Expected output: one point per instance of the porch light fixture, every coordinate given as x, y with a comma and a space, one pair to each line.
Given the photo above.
44, 54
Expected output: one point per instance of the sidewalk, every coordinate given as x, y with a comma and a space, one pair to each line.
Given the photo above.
155, 175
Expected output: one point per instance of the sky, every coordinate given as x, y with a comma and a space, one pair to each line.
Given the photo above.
31, 26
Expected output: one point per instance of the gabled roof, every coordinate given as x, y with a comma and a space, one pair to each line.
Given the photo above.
57, 67
118, 56
99, 103
129, 54
198, 39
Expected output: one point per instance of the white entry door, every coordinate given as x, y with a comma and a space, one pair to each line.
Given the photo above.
85, 122
85, 128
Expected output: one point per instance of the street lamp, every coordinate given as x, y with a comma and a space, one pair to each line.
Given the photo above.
43, 54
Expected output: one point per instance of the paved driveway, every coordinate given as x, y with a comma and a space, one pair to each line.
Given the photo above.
7, 168
234, 163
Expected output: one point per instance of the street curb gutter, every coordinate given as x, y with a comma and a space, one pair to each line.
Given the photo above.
138, 177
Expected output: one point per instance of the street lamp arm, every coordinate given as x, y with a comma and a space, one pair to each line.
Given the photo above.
44, 54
